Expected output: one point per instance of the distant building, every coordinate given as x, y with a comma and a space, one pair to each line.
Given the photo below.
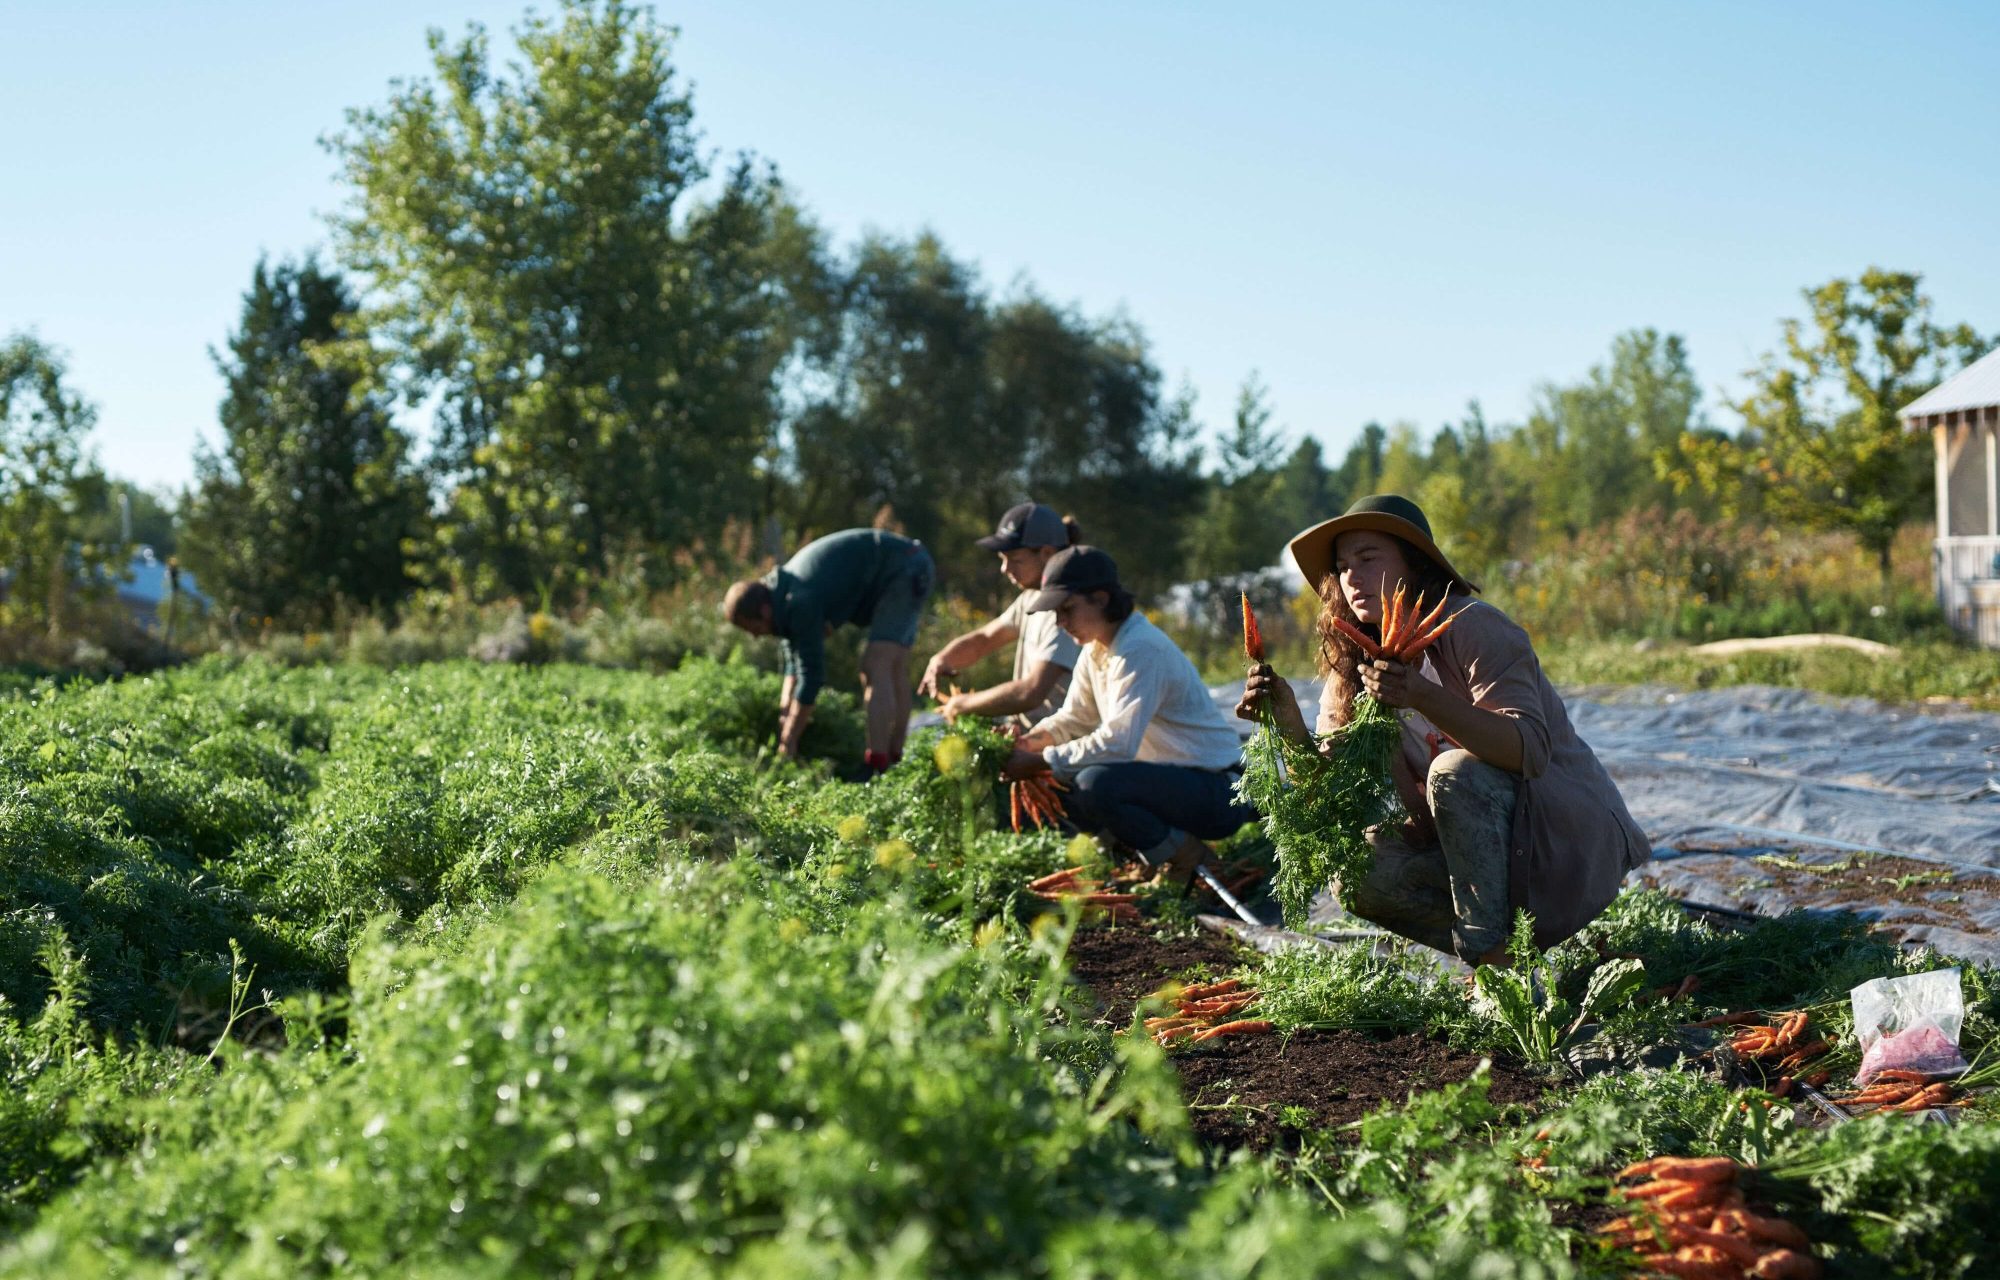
1963, 416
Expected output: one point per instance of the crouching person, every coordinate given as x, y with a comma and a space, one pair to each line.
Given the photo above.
1149, 759
865, 577
1509, 808
1029, 536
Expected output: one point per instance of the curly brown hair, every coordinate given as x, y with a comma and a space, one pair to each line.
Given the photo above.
1339, 657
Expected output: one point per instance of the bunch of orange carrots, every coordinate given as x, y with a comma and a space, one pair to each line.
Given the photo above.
1036, 800
1780, 1045
1691, 1221
1406, 631
1069, 884
1900, 1090
1209, 1011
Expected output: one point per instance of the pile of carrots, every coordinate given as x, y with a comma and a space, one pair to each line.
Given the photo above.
1779, 1045
1036, 799
1900, 1090
1691, 1221
1406, 631
1208, 1011
1069, 885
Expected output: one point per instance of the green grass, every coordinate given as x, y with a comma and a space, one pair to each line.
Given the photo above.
1917, 673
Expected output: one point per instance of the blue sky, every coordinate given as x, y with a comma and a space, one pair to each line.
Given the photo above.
1387, 210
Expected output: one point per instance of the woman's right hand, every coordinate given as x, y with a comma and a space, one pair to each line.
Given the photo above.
1264, 689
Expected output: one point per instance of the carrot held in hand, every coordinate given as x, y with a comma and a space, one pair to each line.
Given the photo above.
1253, 639
1392, 623
1428, 638
1424, 622
1358, 636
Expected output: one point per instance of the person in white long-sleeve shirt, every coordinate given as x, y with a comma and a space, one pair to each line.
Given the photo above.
1148, 757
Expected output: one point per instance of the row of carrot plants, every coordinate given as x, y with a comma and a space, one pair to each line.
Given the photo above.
455, 970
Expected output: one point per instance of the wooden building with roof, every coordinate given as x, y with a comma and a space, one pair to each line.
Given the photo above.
1962, 415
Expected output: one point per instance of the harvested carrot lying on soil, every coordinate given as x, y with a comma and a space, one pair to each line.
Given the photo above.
1683, 1169
1202, 991
1055, 878
1691, 1220
1246, 1027
1209, 1015
1900, 1095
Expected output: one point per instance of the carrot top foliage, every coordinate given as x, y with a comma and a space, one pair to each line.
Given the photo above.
457, 970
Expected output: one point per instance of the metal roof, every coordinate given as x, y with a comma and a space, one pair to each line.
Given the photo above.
1974, 387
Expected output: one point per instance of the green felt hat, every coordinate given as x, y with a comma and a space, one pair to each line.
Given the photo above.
1390, 513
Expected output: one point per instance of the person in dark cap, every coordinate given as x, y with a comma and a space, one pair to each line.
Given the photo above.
1149, 759
1044, 654
1509, 808
868, 577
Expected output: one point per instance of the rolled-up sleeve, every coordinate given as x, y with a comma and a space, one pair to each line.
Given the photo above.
1124, 706
1503, 676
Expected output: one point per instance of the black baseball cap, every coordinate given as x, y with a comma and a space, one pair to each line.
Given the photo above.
1029, 525
1070, 572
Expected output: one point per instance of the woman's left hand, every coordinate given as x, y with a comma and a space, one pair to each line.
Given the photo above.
1388, 682
1023, 764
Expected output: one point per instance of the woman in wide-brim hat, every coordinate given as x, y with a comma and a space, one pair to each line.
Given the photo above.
1509, 809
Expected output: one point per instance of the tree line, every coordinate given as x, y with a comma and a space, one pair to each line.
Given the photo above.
623, 347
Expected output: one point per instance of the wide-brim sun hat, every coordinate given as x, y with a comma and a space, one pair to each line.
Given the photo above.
1312, 551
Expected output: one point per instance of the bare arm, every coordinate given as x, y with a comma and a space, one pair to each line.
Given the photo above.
792, 727
1012, 696
962, 651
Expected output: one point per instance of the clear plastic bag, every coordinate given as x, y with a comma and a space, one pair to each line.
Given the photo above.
1910, 1023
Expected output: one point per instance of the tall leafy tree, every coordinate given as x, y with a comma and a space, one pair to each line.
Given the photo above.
310, 498
1822, 445
907, 420
47, 479
1595, 440
949, 408
602, 345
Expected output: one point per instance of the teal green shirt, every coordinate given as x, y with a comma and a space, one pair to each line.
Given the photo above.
830, 582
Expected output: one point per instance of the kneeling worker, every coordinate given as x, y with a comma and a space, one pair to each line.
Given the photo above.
1149, 758
1029, 536
867, 577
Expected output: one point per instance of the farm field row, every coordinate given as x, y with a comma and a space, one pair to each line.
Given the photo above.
463, 970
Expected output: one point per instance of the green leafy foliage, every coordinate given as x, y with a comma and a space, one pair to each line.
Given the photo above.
1352, 987
1318, 802
563, 972
1898, 1199
1521, 997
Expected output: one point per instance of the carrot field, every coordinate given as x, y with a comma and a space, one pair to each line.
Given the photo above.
467, 970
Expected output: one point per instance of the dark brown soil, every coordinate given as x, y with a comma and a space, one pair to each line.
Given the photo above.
1261, 1092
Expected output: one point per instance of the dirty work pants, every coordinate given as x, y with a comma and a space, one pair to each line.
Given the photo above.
1449, 892
1151, 806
